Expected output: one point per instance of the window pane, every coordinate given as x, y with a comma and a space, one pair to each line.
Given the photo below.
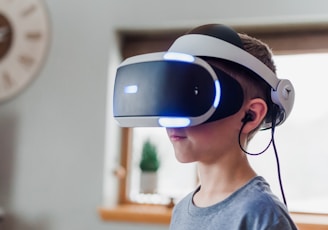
300, 143
301, 140
174, 179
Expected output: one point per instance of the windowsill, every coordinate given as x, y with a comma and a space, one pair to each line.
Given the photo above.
158, 214
310, 221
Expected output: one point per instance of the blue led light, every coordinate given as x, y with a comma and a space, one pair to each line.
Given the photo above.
131, 89
178, 57
174, 122
217, 94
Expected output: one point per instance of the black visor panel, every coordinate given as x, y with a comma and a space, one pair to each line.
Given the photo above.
163, 88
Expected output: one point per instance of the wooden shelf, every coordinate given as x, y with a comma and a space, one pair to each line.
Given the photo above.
157, 214
309, 221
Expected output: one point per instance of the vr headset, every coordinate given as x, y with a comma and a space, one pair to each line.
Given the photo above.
178, 88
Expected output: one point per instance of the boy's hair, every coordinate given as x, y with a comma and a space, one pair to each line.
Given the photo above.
253, 86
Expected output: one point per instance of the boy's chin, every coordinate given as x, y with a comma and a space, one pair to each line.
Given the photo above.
184, 159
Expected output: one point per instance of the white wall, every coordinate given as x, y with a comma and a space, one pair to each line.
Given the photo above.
52, 136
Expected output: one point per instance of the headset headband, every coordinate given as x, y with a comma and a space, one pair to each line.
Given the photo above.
204, 45
179, 85
201, 45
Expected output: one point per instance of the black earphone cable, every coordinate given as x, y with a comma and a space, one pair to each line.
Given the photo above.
278, 164
244, 150
272, 141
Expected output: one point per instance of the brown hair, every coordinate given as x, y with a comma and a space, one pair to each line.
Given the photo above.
253, 86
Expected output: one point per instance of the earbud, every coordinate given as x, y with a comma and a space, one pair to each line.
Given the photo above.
248, 117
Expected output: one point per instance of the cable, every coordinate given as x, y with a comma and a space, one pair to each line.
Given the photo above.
278, 164
244, 150
272, 141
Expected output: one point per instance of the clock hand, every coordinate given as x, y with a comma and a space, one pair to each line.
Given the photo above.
3, 33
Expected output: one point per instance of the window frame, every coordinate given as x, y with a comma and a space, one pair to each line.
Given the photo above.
283, 39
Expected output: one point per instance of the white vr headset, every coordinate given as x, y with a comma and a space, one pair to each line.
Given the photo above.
178, 88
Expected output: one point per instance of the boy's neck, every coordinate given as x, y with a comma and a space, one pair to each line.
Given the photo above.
220, 179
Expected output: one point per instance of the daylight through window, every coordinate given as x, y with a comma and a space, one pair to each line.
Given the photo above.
300, 143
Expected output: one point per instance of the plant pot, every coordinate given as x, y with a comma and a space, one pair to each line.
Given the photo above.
148, 182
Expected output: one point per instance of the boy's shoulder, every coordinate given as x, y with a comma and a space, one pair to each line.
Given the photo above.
251, 206
256, 192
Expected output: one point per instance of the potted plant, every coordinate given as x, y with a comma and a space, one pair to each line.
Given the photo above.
149, 165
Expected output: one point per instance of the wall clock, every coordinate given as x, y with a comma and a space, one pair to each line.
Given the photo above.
24, 42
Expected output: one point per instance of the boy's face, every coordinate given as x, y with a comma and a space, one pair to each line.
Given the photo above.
207, 142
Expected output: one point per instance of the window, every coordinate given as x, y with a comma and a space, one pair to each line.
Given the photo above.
301, 141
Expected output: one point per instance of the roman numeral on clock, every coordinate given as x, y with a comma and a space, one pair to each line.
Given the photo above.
25, 60
7, 80
28, 10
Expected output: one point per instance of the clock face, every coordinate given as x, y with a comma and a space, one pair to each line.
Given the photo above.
24, 41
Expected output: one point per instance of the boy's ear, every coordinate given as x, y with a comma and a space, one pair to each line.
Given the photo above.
256, 112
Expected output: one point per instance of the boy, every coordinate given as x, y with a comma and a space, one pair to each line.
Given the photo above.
230, 195
213, 89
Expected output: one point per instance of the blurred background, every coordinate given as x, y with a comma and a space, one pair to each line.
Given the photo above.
58, 142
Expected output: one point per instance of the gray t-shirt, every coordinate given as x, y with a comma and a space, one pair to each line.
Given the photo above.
252, 207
